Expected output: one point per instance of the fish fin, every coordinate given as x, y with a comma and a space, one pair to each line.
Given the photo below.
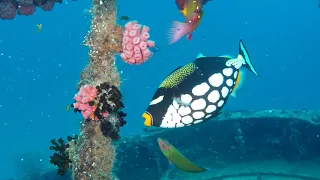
210, 169
170, 166
243, 54
200, 55
178, 75
189, 36
238, 85
177, 30
180, 4
226, 56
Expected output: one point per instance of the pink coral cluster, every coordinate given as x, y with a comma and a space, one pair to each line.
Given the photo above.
136, 43
83, 98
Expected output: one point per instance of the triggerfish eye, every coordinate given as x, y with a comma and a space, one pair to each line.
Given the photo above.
147, 118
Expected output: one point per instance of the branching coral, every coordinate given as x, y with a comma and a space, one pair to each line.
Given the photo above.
61, 157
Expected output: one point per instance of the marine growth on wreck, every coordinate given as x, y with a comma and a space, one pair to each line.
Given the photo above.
188, 135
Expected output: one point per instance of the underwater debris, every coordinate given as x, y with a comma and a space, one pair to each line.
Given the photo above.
61, 157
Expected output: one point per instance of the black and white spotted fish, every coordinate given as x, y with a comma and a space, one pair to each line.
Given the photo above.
197, 91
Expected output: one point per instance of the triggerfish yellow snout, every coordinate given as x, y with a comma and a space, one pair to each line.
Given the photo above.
177, 159
147, 119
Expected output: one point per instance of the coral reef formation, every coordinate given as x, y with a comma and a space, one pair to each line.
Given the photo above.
136, 43
10, 8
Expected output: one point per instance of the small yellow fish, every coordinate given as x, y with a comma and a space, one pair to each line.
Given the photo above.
39, 27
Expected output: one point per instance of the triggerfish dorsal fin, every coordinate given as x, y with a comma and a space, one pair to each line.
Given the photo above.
238, 85
178, 75
243, 54
226, 56
177, 159
200, 55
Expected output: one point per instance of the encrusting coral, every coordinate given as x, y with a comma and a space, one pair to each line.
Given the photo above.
99, 99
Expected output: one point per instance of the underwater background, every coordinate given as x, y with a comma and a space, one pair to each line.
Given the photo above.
39, 71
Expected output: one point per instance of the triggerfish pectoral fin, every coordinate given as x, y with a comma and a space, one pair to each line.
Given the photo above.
177, 159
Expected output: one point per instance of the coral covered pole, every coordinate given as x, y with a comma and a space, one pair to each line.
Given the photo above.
93, 154
90, 156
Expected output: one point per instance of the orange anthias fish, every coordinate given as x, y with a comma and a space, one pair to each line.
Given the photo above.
192, 12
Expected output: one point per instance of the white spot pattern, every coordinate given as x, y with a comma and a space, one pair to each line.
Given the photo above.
157, 100
197, 121
201, 89
224, 92
175, 104
183, 110
198, 114
216, 79
198, 104
214, 96
235, 75
227, 71
186, 98
220, 103
211, 108
229, 82
180, 125
187, 120
208, 116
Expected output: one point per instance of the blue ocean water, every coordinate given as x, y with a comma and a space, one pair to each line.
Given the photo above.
39, 72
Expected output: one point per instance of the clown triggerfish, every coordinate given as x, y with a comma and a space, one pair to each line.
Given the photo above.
197, 91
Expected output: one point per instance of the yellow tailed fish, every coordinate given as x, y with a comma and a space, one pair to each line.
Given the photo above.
177, 159
39, 27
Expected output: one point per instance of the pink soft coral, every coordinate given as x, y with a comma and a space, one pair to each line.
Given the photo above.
83, 98
136, 43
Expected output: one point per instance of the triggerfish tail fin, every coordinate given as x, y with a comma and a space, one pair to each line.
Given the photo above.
177, 30
238, 85
243, 53
177, 159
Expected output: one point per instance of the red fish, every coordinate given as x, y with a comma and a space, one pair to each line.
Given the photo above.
180, 29
192, 12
